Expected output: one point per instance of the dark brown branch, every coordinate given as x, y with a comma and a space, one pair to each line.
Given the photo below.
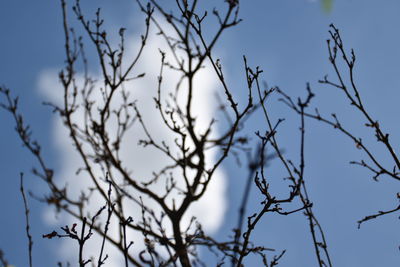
27, 223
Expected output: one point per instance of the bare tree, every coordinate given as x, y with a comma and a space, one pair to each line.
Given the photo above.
99, 140
101, 113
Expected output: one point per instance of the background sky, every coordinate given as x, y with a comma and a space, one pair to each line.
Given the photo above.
287, 39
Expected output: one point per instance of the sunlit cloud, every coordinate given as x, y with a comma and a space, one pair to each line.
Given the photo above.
209, 211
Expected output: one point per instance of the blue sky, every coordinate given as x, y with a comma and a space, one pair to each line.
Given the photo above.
287, 39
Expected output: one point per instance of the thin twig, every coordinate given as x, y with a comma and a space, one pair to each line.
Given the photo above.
28, 234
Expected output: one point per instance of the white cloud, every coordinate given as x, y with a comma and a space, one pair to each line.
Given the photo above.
141, 161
